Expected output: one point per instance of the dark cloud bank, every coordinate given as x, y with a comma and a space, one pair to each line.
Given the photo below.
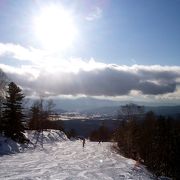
109, 81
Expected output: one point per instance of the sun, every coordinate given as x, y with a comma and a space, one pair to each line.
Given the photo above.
54, 27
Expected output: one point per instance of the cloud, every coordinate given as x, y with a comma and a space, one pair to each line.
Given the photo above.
53, 76
96, 13
21, 53
104, 81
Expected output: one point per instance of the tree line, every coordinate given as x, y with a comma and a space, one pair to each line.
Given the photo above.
15, 119
147, 138
152, 140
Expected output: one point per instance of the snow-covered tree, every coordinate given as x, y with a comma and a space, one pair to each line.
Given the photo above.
3, 83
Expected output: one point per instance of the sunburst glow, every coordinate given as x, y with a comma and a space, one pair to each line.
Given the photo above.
55, 28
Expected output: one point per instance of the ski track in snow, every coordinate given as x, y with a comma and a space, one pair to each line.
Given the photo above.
68, 160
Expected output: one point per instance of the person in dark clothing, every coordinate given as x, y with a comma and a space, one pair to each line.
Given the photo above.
84, 142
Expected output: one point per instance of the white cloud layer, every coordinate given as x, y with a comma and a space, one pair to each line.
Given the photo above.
55, 77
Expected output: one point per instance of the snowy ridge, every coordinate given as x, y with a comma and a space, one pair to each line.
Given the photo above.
8, 146
49, 136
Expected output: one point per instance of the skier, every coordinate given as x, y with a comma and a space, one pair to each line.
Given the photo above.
84, 142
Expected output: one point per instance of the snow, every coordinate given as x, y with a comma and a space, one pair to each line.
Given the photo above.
49, 136
8, 146
69, 160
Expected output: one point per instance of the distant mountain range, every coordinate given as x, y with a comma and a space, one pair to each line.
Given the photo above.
158, 110
88, 103
164, 110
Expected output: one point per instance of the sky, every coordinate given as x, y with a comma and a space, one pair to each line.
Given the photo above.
120, 49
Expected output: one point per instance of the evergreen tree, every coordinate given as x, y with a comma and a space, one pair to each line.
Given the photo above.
72, 133
3, 83
13, 116
104, 133
94, 136
101, 134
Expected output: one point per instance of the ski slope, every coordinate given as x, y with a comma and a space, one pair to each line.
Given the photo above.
68, 160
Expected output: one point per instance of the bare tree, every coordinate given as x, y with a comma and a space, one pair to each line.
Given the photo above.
129, 114
40, 113
49, 106
131, 111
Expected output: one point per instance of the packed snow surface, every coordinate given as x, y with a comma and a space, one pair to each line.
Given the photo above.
69, 160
